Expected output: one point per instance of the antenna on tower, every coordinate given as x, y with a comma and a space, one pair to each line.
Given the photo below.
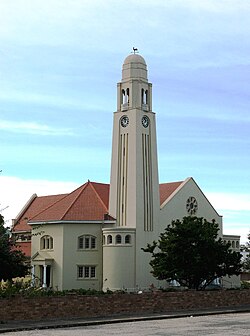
135, 50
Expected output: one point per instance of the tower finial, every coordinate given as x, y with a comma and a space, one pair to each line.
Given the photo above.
135, 50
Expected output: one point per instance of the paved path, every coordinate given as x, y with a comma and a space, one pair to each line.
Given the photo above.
219, 325
220, 321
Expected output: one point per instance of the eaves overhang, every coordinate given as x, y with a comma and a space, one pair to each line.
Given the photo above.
73, 222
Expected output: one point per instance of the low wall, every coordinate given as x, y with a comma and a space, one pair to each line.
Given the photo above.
76, 306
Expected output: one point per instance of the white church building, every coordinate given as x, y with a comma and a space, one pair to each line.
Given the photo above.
93, 237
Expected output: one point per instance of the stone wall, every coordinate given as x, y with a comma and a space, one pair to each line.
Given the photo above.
76, 306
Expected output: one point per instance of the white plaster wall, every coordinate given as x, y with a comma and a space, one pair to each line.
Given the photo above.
56, 232
119, 261
72, 256
175, 208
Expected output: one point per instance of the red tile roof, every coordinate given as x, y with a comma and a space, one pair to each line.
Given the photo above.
37, 205
166, 190
88, 202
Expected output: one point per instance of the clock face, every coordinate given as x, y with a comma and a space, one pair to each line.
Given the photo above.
124, 121
145, 121
191, 205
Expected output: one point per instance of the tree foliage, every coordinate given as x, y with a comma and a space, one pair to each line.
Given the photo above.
190, 252
246, 262
12, 261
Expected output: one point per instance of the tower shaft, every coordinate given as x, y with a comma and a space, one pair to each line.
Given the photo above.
134, 187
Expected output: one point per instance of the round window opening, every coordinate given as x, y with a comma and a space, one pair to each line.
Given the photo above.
191, 205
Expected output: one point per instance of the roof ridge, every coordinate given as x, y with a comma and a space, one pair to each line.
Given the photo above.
54, 195
49, 206
172, 182
24, 208
83, 187
91, 184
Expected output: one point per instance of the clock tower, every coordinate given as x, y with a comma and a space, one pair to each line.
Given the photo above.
134, 186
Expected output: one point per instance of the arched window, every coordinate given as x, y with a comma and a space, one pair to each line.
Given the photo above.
144, 97
86, 242
237, 244
46, 243
109, 239
118, 239
127, 96
127, 239
123, 97
233, 244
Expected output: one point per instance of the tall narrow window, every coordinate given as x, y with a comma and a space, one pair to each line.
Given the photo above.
123, 97
93, 242
87, 242
80, 242
86, 272
92, 272
142, 96
118, 239
127, 96
127, 239
109, 239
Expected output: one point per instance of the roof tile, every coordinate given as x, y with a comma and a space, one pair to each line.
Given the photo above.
88, 202
166, 189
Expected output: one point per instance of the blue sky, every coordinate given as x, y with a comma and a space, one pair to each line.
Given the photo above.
60, 61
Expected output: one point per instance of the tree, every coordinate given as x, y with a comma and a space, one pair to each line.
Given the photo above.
190, 252
12, 261
246, 261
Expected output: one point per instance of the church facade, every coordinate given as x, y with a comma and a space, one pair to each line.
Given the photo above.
93, 237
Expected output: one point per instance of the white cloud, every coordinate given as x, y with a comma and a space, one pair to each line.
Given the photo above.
235, 209
32, 128
48, 100
230, 201
17, 191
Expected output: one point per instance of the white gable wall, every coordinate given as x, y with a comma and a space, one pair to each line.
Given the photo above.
175, 206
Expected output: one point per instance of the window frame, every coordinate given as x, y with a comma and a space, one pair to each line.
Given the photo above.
127, 239
109, 239
46, 243
86, 272
87, 242
118, 239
